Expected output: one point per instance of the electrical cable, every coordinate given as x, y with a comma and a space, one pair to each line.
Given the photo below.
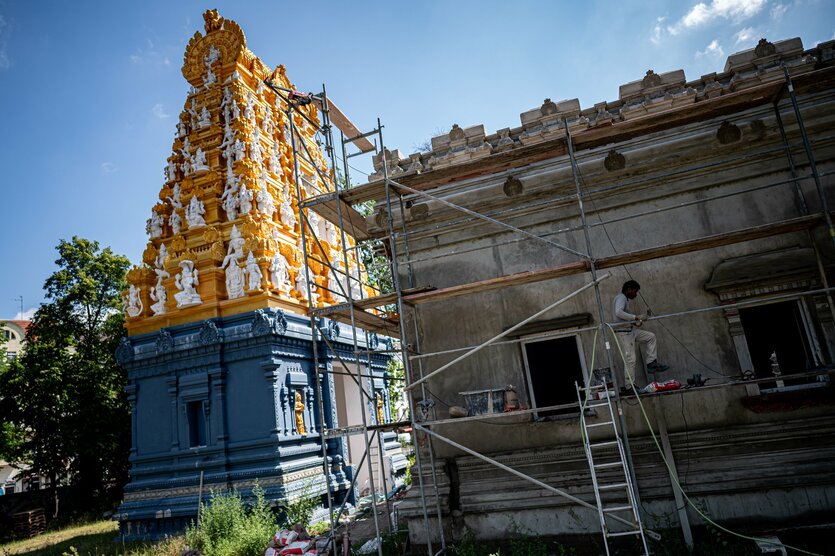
678, 484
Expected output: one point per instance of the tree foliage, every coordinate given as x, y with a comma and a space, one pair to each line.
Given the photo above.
66, 390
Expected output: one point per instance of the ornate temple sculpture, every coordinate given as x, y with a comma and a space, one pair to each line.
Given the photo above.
298, 409
229, 181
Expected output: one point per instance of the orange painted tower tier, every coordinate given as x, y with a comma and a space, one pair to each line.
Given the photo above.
225, 235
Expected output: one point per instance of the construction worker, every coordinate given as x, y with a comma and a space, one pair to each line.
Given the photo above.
628, 331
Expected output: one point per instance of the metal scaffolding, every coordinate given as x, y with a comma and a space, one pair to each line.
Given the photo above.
365, 314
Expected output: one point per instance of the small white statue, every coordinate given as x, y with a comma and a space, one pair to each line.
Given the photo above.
159, 297
267, 123
260, 90
275, 160
210, 78
240, 150
314, 221
253, 272
159, 262
301, 286
133, 304
230, 201
182, 130
234, 280
175, 222
227, 98
187, 282
236, 111
330, 233
356, 285
236, 247
335, 286
245, 200
288, 217
280, 273
195, 212
171, 171
228, 138
205, 118
213, 55
154, 225
249, 109
265, 201
174, 199
256, 149
199, 164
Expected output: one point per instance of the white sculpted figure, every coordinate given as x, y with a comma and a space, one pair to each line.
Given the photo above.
240, 150
175, 222
230, 201
171, 171
267, 122
265, 201
199, 164
154, 225
280, 273
133, 306
195, 212
210, 78
205, 118
236, 247
275, 160
234, 274
182, 130
356, 286
301, 286
335, 285
174, 199
245, 200
314, 222
253, 272
187, 282
330, 233
213, 55
257, 150
228, 138
159, 297
249, 109
288, 217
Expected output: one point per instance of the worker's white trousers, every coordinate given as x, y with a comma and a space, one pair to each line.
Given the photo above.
627, 345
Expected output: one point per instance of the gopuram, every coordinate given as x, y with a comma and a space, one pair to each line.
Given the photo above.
219, 350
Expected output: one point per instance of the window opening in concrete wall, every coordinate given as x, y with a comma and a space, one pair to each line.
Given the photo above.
196, 424
782, 331
552, 366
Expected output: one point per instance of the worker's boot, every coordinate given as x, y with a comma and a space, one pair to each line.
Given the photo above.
656, 367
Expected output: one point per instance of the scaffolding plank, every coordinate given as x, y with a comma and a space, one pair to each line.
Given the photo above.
389, 326
670, 249
341, 121
352, 221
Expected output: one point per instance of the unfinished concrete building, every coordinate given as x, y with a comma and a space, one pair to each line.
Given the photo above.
509, 248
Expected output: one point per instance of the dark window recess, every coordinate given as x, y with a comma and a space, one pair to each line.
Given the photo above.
554, 366
196, 424
777, 328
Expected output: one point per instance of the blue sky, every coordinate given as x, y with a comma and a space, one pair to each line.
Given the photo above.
90, 91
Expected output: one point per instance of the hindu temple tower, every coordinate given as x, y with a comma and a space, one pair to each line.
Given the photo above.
219, 348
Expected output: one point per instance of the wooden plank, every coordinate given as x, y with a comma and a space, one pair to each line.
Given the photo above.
341, 121
367, 321
352, 221
689, 246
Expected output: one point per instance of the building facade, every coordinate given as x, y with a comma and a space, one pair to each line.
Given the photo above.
713, 194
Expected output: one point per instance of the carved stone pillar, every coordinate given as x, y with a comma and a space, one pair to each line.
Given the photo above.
741, 346
131, 390
218, 382
175, 428
273, 377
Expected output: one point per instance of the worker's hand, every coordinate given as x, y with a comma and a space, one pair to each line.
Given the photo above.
641, 317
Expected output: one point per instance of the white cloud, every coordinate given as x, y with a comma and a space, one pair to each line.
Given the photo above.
714, 49
26, 315
657, 31
5, 32
158, 111
702, 14
745, 35
778, 10
108, 168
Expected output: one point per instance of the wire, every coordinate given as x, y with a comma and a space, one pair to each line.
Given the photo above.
678, 484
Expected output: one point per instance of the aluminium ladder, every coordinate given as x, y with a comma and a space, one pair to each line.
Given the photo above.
600, 397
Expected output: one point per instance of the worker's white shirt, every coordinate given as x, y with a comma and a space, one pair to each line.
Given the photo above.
621, 313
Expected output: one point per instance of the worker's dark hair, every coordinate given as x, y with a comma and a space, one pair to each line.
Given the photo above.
630, 285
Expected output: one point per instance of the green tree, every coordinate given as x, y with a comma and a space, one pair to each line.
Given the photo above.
10, 436
66, 391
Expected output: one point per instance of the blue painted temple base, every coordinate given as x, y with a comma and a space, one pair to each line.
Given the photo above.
235, 399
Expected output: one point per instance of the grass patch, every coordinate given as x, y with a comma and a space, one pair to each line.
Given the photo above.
89, 539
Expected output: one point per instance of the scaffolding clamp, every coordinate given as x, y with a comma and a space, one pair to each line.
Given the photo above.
299, 98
